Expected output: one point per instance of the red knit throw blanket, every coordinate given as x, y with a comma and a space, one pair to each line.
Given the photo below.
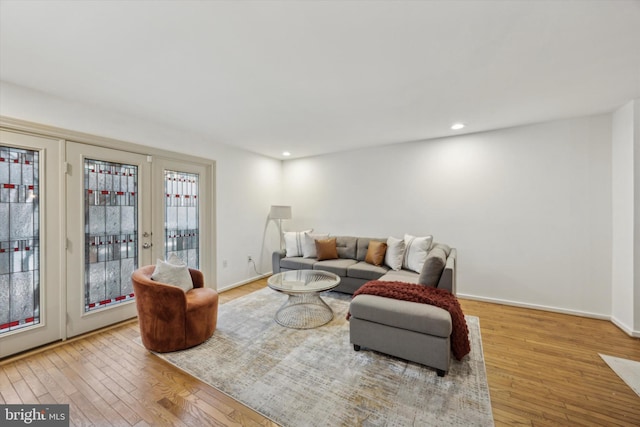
441, 298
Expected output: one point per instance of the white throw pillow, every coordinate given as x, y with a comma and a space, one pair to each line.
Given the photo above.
309, 244
415, 252
173, 272
395, 253
293, 242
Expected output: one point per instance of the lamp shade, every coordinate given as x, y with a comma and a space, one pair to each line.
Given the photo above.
280, 212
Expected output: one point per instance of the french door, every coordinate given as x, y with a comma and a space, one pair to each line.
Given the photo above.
125, 210
108, 233
30, 223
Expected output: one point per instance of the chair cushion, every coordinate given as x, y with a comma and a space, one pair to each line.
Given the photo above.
336, 266
363, 270
412, 316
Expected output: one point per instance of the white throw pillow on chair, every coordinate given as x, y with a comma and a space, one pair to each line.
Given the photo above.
173, 272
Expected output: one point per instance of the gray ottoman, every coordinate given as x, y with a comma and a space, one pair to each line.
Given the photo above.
408, 330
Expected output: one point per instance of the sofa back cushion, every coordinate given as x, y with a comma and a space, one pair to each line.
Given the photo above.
346, 246
363, 246
433, 266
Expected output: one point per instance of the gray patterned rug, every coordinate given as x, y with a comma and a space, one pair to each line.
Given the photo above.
314, 377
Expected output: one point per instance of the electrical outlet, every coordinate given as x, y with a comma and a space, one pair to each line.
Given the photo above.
249, 259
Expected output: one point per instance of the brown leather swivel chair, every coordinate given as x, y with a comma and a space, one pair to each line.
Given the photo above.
171, 319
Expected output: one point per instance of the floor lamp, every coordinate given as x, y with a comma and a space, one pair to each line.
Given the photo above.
280, 212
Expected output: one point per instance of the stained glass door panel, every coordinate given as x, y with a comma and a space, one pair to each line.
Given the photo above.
182, 230
19, 239
111, 232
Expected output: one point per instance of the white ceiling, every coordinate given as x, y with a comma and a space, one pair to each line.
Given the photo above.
315, 77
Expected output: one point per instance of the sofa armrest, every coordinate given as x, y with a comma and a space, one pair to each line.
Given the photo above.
275, 260
448, 277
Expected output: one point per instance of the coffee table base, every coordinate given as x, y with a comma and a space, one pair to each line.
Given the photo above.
304, 311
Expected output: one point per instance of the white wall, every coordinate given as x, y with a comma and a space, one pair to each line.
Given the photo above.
528, 208
622, 255
247, 184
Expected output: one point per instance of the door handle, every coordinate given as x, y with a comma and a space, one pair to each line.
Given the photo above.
147, 245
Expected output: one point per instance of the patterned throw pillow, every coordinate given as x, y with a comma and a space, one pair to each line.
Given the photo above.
293, 242
415, 252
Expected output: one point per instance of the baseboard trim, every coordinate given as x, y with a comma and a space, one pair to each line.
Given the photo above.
536, 307
626, 329
244, 282
612, 319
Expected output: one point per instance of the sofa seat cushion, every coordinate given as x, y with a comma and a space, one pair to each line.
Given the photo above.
400, 276
412, 316
298, 263
364, 270
336, 266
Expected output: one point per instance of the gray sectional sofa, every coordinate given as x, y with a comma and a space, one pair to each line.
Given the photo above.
355, 272
408, 330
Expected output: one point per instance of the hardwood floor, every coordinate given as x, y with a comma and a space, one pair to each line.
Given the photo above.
543, 370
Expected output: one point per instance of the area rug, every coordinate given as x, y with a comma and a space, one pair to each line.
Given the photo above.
314, 377
628, 370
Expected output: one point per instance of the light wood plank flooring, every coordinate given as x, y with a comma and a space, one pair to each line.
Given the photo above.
543, 370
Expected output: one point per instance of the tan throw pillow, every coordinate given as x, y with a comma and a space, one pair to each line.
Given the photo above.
376, 252
326, 249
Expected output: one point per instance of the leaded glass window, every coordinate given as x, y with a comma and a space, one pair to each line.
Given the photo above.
181, 216
111, 232
19, 239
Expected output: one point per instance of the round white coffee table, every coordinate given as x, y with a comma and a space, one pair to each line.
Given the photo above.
304, 309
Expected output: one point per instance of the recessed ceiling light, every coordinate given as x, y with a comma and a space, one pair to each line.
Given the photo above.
457, 126
286, 153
